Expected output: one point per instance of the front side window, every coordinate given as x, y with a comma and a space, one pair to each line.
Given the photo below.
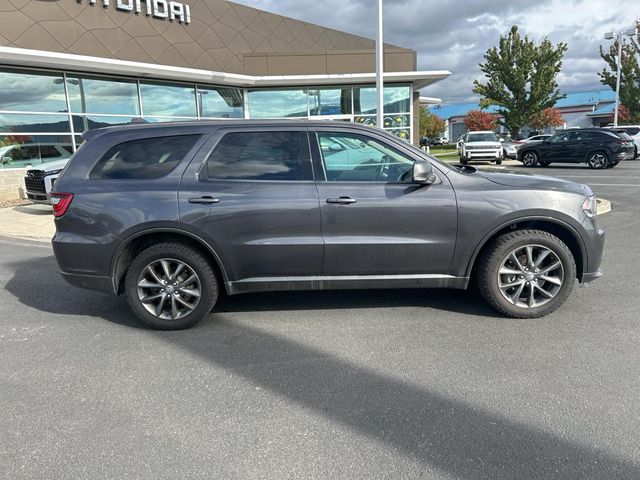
258, 156
352, 157
560, 137
143, 159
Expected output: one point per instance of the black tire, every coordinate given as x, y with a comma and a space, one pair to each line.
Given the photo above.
613, 164
530, 159
196, 263
499, 162
635, 153
498, 253
598, 160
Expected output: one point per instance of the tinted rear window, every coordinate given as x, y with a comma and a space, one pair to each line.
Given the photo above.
144, 158
632, 130
257, 156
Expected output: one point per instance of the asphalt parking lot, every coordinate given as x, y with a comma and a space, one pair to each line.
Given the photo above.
345, 385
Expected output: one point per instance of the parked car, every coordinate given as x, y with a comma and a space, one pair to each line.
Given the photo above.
438, 141
634, 132
480, 146
171, 214
29, 154
596, 147
39, 181
511, 147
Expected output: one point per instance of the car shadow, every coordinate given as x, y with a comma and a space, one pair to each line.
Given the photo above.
37, 284
34, 209
449, 434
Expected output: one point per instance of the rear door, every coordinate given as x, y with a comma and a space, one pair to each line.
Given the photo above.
375, 220
250, 193
557, 149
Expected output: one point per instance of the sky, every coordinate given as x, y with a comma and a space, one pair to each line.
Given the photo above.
454, 36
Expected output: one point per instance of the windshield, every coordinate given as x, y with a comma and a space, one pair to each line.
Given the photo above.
482, 137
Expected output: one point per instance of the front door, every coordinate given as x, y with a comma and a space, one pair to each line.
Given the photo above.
375, 220
251, 194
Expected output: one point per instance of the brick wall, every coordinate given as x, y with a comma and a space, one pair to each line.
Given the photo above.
12, 184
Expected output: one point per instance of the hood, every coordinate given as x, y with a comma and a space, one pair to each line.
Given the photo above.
482, 144
514, 178
51, 166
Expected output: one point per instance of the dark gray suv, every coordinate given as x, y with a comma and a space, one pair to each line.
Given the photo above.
173, 215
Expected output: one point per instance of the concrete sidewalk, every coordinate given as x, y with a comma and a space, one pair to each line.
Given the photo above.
34, 222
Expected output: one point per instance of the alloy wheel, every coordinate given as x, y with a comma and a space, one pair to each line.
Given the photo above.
597, 160
530, 159
530, 276
169, 289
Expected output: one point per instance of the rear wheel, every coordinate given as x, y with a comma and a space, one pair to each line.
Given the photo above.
526, 273
597, 160
171, 286
530, 159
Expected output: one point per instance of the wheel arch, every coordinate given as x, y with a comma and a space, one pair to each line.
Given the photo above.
143, 239
560, 229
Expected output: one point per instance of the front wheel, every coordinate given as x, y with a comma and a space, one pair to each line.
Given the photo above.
171, 286
499, 161
526, 273
530, 159
597, 160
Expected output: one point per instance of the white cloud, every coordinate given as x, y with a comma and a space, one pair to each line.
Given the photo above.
455, 36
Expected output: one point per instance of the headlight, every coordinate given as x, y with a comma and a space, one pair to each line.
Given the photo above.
590, 206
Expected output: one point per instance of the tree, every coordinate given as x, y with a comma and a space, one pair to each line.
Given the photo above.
431, 125
521, 78
477, 120
629, 75
547, 118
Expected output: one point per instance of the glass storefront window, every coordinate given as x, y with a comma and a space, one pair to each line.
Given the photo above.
168, 119
397, 99
221, 102
82, 123
92, 95
330, 101
25, 91
19, 151
278, 103
159, 99
33, 122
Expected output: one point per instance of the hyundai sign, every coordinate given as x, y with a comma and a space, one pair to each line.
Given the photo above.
162, 9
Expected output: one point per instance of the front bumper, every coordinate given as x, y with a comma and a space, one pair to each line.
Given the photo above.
482, 155
39, 197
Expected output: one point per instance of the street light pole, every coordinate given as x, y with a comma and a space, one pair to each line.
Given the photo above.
617, 36
380, 68
619, 65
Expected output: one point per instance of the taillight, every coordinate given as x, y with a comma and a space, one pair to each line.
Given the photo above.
60, 202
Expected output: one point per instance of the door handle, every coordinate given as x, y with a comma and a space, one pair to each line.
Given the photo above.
206, 200
342, 200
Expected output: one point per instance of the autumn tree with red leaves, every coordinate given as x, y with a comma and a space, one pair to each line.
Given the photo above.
547, 118
477, 120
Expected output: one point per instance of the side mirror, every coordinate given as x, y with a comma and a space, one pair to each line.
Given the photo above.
423, 172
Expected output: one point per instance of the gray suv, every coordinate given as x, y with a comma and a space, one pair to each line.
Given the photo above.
174, 215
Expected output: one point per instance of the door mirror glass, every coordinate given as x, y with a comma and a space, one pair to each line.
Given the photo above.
423, 172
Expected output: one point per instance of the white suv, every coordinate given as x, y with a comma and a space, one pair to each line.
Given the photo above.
480, 146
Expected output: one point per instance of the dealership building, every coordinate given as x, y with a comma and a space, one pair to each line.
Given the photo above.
67, 66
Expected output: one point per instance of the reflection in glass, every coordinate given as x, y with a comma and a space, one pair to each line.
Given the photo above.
30, 92
277, 103
33, 122
92, 95
19, 151
82, 123
330, 101
168, 119
402, 133
168, 100
221, 102
397, 99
